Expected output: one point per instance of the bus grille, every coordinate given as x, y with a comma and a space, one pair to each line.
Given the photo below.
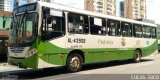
17, 49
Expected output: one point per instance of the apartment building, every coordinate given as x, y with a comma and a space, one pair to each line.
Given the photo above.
107, 7
5, 5
122, 9
133, 9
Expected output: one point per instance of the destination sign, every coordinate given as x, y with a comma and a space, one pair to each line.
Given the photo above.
56, 12
24, 8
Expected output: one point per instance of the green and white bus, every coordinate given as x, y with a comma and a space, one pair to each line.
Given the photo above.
51, 35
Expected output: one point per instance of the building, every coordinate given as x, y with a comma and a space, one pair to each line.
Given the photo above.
107, 7
5, 20
122, 9
5, 5
30, 1
16, 3
134, 9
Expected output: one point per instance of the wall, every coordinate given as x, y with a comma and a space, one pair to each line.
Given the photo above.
7, 23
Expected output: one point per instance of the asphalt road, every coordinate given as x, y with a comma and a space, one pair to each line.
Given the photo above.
148, 69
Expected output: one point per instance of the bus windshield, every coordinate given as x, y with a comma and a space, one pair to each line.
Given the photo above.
24, 29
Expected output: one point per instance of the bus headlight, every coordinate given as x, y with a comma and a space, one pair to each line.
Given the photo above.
32, 51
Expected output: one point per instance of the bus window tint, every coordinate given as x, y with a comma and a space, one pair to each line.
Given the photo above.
126, 29
137, 30
146, 32
78, 24
113, 28
153, 32
97, 26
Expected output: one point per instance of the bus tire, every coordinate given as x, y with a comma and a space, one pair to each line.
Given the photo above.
137, 56
74, 62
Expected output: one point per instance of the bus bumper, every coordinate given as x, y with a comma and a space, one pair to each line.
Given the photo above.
30, 62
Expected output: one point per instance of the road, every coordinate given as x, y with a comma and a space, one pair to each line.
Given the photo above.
148, 69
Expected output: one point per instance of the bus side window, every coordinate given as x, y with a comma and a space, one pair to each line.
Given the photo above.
104, 29
78, 23
146, 32
97, 26
153, 32
53, 25
126, 29
137, 30
113, 27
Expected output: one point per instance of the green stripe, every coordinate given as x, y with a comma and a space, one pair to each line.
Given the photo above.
94, 55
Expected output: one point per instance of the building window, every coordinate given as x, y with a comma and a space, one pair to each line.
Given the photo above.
109, 13
109, 1
99, 6
100, 3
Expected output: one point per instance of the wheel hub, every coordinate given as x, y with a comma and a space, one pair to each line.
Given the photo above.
74, 63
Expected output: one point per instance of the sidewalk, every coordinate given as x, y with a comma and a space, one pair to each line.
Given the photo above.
5, 67
4, 64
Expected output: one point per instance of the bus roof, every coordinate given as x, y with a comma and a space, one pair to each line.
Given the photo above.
80, 11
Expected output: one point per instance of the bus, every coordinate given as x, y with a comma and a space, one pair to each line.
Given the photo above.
47, 35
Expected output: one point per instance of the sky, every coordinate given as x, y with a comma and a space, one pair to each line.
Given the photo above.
153, 12
21, 2
152, 7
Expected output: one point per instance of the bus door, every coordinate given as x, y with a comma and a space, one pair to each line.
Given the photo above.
53, 32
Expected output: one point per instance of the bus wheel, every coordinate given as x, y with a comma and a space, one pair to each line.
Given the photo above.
74, 63
137, 56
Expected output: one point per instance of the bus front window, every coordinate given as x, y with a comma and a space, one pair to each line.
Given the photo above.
24, 30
